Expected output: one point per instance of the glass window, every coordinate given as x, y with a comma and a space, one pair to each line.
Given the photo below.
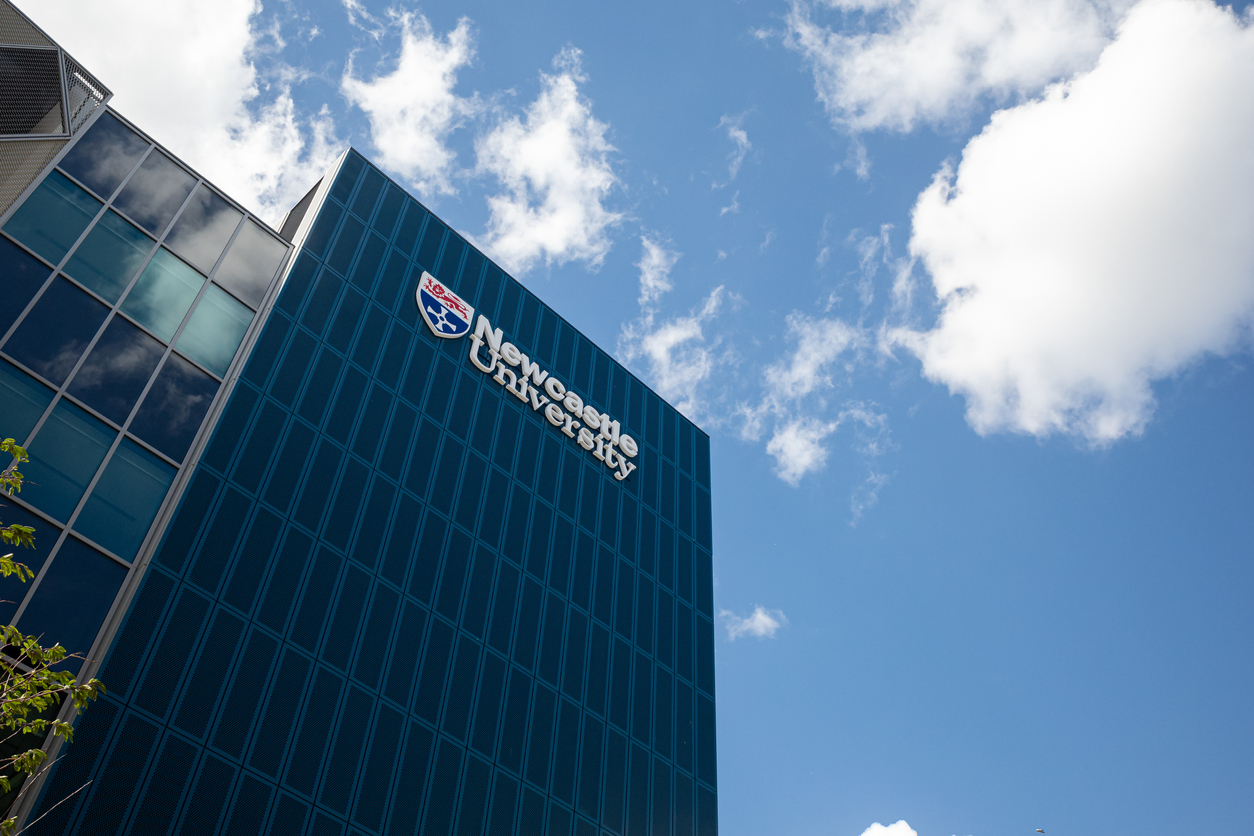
53, 217
125, 500
23, 276
109, 256
162, 294
174, 407
204, 228
104, 155
56, 331
25, 400
155, 192
113, 376
63, 458
73, 598
251, 264
215, 330
12, 591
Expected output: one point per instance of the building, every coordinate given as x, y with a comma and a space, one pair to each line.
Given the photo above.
340, 574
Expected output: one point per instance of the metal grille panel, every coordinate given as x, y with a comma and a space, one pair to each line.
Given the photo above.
85, 94
30, 92
16, 30
21, 163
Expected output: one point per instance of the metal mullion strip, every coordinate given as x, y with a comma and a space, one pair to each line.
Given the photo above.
65, 149
65, 87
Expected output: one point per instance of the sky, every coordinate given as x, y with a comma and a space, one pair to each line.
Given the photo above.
962, 292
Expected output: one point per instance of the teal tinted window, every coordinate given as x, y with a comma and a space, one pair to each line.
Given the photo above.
125, 500
162, 294
109, 256
63, 459
104, 155
73, 598
174, 407
23, 276
253, 260
214, 332
56, 331
155, 192
24, 398
117, 369
53, 217
12, 591
201, 232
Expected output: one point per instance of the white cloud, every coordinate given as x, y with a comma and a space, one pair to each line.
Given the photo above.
1098, 239
895, 63
762, 623
732, 207
899, 828
655, 269
555, 166
196, 89
412, 109
678, 356
797, 446
740, 138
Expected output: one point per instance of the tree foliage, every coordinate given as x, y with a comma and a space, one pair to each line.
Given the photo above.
32, 690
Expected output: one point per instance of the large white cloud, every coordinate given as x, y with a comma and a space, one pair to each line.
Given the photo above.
1100, 238
894, 63
555, 166
187, 76
412, 109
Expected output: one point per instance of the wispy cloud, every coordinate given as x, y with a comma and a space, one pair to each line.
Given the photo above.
555, 165
761, 623
677, 355
655, 266
740, 139
899, 828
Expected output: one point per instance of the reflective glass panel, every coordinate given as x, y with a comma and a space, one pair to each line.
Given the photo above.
109, 256
63, 458
174, 407
112, 377
56, 331
201, 233
155, 192
162, 294
25, 400
53, 217
121, 506
251, 264
21, 276
12, 591
73, 598
104, 155
214, 332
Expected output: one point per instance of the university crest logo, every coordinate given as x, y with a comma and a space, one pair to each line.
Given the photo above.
446, 313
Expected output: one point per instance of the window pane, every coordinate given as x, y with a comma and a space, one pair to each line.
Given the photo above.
56, 331
53, 217
21, 276
73, 599
63, 458
174, 407
30, 99
112, 377
104, 155
12, 591
109, 256
251, 264
121, 506
214, 332
203, 229
163, 293
155, 193
24, 398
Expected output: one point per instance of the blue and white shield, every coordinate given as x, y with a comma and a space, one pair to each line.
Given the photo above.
446, 313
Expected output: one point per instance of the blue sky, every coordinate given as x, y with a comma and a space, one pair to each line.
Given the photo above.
962, 292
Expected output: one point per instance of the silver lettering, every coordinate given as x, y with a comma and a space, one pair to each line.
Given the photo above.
570, 426
554, 414
555, 388
484, 333
475, 345
624, 468
537, 400
533, 370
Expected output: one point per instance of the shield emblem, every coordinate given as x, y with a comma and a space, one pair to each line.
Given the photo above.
446, 313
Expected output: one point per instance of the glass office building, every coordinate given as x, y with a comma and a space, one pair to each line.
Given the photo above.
340, 573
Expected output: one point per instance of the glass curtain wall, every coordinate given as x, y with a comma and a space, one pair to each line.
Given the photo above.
127, 284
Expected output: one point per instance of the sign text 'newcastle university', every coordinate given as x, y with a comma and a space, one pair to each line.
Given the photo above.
449, 316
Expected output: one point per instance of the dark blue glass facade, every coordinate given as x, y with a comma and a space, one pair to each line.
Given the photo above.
393, 598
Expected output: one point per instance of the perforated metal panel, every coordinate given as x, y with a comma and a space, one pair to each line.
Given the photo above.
21, 163
83, 94
16, 30
30, 91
